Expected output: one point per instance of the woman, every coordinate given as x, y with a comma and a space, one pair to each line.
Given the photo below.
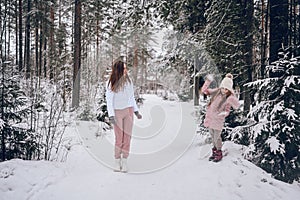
120, 106
222, 99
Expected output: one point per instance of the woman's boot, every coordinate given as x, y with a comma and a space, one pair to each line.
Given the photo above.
124, 165
117, 166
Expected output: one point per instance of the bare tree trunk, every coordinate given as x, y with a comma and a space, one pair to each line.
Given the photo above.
9, 28
16, 33
45, 59
37, 75
43, 44
249, 12
77, 55
61, 49
20, 37
298, 23
196, 81
290, 23
278, 27
41, 41
135, 64
264, 31
51, 65
295, 32
5, 29
97, 49
1, 34
36, 41
3, 145
143, 66
27, 48
145, 71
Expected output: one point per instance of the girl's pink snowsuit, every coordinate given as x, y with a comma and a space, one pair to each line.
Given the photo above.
215, 117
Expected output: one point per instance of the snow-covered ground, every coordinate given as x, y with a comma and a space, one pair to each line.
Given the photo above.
166, 162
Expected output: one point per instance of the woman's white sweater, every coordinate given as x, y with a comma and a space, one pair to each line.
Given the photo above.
121, 99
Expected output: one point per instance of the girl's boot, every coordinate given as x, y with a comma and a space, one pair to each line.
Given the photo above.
218, 156
212, 157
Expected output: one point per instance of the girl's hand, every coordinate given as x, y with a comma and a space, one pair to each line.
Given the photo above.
210, 77
224, 113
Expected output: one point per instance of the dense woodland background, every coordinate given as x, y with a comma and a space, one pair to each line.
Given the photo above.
55, 56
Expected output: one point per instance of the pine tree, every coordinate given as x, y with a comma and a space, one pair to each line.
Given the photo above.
184, 15
17, 141
275, 139
229, 40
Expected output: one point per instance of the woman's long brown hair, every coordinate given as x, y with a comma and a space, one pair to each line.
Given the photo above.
117, 78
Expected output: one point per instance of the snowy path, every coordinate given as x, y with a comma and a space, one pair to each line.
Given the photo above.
164, 134
180, 175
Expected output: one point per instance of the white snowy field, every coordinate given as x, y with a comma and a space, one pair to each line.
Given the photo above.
166, 162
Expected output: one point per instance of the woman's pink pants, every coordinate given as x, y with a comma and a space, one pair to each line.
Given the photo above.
123, 131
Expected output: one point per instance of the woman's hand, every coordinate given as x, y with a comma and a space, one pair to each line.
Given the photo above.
112, 120
138, 115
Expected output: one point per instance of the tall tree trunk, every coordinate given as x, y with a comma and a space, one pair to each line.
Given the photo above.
293, 33
1, 34
62, 69
295, 23
41, 41
9, 27
36, 41
135, 63
52, 49
278, 27
97, 48
16, 33
44, 42
248, 29
290, 23
20, 36
5, 29
3, 137
37, 74
264, 32
298, 23
143, 77
2, 96
27, 48
45, 58
77, 55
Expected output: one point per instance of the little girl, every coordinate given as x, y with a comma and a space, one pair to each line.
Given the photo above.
222, 99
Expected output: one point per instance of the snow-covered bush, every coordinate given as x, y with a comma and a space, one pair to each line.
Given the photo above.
86, 114
275, 139
236, 128
50, 121
184, 91
101, 111
32, 117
